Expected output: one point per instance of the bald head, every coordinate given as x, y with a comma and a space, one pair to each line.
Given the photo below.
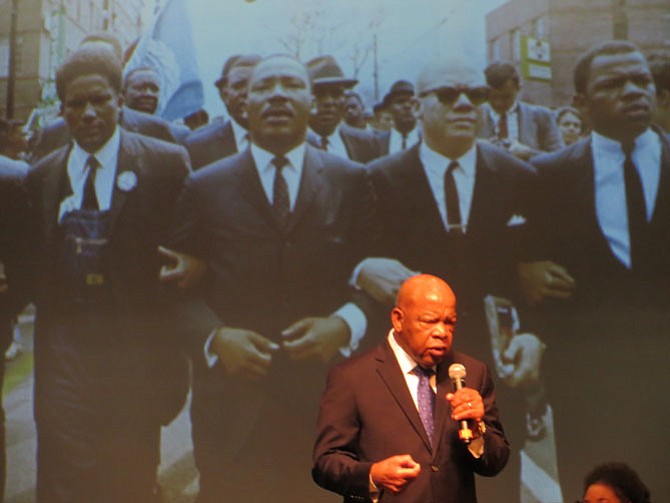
450, 92
424, 318
422, 287
449, 72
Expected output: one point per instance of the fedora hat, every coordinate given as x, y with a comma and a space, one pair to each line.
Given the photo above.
399, 87
324, 70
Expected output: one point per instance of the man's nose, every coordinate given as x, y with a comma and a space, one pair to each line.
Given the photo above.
463, 101
278, 91
631, 88
440, 330
89, 110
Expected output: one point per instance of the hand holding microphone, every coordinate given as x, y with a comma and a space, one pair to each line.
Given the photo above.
466, 403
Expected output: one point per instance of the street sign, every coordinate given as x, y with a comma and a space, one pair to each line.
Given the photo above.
535, 55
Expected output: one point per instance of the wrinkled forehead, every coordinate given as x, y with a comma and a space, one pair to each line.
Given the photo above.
280, 66
449, 73
144, 75
620, 64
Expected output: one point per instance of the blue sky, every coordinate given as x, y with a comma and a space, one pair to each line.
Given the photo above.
409, 32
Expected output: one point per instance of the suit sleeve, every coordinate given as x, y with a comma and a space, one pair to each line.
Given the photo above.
549, 136
195, 316
337, 466
496, 448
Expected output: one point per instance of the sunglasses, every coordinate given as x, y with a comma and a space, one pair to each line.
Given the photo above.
449, 95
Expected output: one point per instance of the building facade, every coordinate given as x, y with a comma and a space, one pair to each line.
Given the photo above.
46, 32
570, 27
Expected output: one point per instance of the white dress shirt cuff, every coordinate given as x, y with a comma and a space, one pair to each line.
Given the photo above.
374, 490
210, 357
357, 323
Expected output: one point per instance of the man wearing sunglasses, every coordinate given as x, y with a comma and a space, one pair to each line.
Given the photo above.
454, 207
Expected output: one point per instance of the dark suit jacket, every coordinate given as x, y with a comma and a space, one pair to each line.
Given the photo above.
478, 263
211, 143
225, 218
149, 373
56, 134
265, 277
362, 146
367, 414
14, 245
577, 242
616, 322
537, 127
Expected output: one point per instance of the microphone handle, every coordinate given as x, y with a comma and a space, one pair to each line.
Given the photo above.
465, 433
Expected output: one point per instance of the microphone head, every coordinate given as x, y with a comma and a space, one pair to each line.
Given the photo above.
456, 371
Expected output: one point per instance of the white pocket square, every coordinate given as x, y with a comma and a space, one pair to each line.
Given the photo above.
516, 220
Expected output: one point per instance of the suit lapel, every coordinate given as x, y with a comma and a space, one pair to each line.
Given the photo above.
422, 199
526, 125
311, 182
482, 203
227, 140
251, 188
442, 407
56, 186
390, 372
128, 161
348, 141
662, 201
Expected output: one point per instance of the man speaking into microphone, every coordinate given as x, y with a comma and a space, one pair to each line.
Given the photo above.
389, 421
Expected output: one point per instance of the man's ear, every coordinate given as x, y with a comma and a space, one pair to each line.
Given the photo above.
663, 98
397, 319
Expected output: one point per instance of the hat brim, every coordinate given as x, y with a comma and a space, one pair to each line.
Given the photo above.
347, 83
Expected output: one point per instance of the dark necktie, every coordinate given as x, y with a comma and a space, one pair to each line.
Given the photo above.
280, 198
635, 203
404, 141
503, 132
90, 200
324, 143
451, 198
426, 400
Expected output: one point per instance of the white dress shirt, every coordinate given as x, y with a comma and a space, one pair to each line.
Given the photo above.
240, 135
395, 140
335, 143
512, 117
77, 171
435, 165
610, 187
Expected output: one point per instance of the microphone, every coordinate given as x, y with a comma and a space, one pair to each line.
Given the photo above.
457, 375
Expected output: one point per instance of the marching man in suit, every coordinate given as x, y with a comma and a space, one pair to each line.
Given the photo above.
461, 206
225, 137
328, 131
108, 372
388, 422
522, 128
602, 285
280, 227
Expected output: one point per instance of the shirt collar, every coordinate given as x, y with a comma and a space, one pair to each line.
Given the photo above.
241, 134
406, 362
104, 155
433, 160
510, 111
608, 145
263, 158
336, 131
